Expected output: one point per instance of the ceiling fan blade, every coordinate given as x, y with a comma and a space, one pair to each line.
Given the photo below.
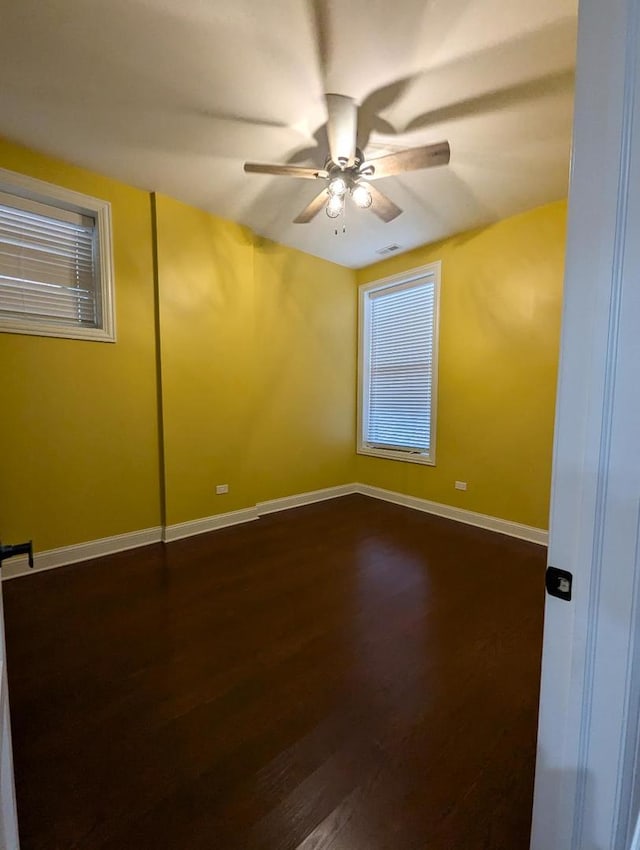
410, 160
312, 209
284, 170
342, 126
382, 206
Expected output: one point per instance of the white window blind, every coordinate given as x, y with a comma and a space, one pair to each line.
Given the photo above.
398, 361
47, 263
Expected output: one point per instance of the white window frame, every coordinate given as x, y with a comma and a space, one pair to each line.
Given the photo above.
22, 186
431, 270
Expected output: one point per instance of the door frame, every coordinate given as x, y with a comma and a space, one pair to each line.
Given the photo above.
8, 814
586, 795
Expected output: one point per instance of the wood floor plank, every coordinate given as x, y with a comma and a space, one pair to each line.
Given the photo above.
350, 675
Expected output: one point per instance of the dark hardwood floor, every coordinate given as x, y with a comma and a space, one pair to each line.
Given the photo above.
350, 675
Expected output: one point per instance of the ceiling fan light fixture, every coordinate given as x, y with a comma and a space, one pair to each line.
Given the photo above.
335, 206
337, 187
346, 172
361, 197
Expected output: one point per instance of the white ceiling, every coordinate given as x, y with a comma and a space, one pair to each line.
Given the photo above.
174, 95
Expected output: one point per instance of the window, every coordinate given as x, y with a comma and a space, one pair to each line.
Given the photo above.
55, 261
398, 366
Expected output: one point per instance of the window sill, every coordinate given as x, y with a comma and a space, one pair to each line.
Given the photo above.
53, 330
389, 454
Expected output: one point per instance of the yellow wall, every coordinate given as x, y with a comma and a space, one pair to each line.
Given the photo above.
305, 326
78, 425
258, 366
206, 290
499, 334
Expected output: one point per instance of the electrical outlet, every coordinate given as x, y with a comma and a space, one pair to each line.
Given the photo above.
461, 485
221, 488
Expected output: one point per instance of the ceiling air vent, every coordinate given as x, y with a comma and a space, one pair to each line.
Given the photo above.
390, 249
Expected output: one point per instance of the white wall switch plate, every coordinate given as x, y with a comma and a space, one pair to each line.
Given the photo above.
461, 485
222, 488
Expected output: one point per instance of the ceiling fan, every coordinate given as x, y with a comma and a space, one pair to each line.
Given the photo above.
346, 172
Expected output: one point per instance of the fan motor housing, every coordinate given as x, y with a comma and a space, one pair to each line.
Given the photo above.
353, 172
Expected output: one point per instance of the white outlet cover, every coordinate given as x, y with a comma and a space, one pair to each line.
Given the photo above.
461, 485
222, 488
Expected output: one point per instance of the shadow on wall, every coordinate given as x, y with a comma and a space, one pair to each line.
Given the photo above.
293, 290
215, 284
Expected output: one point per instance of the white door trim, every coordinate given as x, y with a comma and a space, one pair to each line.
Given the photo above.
587, 748
8, 815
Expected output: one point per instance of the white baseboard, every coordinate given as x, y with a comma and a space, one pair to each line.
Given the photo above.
490, 523
297, 501
213, 523
52, 558
208, 523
